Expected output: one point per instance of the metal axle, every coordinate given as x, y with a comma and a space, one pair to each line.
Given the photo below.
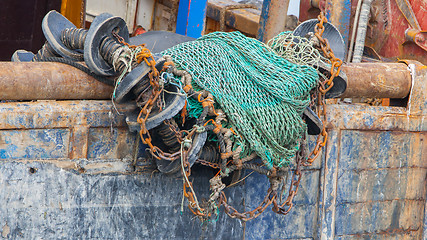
43, 81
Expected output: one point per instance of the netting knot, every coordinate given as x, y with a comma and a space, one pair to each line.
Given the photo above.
199, 129
186, 144
274, 183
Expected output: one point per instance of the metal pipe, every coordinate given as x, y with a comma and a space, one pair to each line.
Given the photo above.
377, 80
48, 81
361, 31
273, 19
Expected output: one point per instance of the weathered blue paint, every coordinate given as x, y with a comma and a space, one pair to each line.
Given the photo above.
272, 226
263, 19
338, 12
191, 18
369, 184
53, 203
34, 143
327, 214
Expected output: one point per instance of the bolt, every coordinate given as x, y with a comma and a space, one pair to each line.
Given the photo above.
419, 38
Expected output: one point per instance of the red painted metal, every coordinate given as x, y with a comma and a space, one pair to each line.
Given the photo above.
386, 28
387, 31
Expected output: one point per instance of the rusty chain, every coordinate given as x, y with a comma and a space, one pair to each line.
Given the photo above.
271, 196
188, 191
295, 182
249, 215
324, 87
207, 163
145, 55
301, 160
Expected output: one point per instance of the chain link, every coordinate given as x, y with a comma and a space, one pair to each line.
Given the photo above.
145, 55
322, 138
271, 196
324, 87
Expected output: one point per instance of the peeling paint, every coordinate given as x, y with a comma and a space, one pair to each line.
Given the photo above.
5, 231
371, 177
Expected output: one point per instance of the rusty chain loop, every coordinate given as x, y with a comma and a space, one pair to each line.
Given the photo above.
295, 182
145, 55
324, 87
207, 163
184, 138
188, 191
301, 159
249, 215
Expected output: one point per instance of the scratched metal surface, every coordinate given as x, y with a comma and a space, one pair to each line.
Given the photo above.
52, 189
66, 172
371, 182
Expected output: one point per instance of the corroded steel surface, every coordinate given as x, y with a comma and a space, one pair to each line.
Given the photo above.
44, 81
272, 19
338, 13
67, 171
375, 171
379, 80
386, 27
386, 33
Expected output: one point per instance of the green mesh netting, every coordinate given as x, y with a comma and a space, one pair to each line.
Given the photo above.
262, 94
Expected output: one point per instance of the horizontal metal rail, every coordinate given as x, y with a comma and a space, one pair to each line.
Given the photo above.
48, 81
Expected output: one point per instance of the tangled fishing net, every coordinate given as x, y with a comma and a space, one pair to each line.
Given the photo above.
263, 89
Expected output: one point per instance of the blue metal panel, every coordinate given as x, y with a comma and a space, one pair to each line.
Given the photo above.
191, 18
34, 143
107, 143
338, 13
55, 204
370, 184
327, 214
303, 215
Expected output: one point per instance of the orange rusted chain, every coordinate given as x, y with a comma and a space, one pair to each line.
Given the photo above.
146, 56
324, 86
322, 138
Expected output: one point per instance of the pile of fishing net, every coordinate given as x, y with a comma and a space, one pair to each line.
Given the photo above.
262, 88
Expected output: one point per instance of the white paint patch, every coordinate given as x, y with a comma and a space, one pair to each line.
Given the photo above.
5, 231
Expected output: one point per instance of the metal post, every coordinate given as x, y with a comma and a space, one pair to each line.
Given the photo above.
44, 81
273, 19
338, 13
377, 80
191, 18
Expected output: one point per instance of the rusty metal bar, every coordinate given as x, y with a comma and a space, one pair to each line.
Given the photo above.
273, 19
377, 80
48, 81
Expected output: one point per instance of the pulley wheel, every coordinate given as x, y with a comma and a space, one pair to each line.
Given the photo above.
137, 75
52, 25
337, 45
105, 24
174, 103
174, 167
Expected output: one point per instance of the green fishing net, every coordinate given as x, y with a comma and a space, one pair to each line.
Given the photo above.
262, 93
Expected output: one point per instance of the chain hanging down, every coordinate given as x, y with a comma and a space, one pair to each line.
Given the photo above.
230, 153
